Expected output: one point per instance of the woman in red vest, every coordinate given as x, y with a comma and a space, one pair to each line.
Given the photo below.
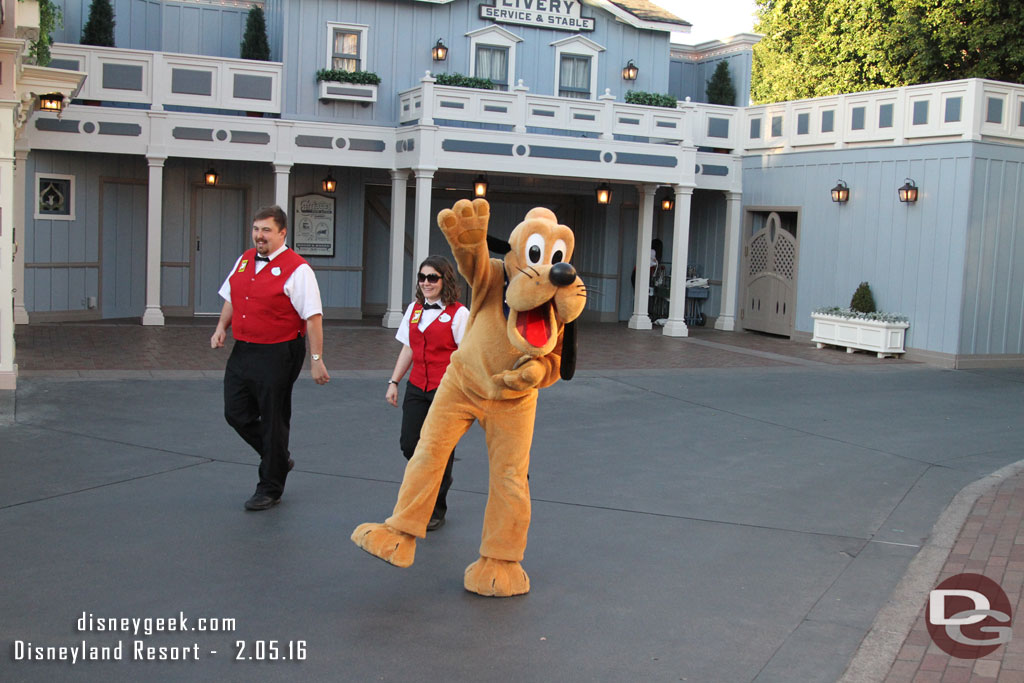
430, 331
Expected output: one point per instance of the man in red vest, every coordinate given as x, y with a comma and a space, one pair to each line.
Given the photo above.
271, 301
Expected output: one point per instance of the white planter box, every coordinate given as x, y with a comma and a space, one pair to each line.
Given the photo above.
885, 339
354, 92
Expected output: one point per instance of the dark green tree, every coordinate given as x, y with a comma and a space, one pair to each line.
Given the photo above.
863, 300
99, 29
941, 40
813, 48
720, 89
254, 43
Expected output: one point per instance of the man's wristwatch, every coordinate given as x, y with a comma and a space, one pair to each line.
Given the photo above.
391, 381
315, 356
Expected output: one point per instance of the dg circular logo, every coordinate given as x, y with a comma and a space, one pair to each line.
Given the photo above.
968, 616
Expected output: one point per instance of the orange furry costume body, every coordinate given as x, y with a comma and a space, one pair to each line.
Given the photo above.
507, 354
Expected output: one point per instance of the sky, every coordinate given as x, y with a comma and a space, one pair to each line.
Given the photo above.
711, 19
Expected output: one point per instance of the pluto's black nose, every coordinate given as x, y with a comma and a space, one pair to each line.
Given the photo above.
562, 274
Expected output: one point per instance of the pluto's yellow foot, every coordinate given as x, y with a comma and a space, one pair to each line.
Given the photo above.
496, 578
387, 543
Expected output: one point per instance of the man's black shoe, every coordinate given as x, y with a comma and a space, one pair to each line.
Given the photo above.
291, 464
435, 523
261, 501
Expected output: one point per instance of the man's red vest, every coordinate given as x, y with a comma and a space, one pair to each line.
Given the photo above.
262, 312
432, 348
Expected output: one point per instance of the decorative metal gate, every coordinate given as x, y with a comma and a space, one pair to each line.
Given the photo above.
770, 257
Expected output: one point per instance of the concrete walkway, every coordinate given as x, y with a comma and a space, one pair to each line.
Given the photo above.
726, 507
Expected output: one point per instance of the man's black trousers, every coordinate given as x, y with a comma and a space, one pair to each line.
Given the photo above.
258, 384
414, 412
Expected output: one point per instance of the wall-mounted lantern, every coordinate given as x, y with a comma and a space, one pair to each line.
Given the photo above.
212, 177
480, 186
603, 193
841, 192
908, 192
630, 71
329, 184
51, 102
439, 52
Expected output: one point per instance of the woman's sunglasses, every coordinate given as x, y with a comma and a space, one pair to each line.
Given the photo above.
432, 278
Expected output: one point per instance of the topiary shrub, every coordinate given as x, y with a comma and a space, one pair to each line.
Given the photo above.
99, 29
720, 89
862, 300
650, 99
255, 44
460, 81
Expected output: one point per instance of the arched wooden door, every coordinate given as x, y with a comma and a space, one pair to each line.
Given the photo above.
770, 257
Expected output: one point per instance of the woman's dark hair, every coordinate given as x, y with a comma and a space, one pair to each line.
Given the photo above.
449, 288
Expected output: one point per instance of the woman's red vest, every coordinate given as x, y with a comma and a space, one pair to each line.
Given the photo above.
432, 348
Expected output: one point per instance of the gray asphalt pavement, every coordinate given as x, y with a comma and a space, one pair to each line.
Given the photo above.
727, 524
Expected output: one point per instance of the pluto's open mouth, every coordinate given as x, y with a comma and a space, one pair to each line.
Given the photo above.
535, 325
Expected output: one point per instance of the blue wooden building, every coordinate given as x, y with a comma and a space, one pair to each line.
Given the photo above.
117, 218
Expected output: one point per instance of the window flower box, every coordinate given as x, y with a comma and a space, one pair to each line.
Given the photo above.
882, 334
354, 86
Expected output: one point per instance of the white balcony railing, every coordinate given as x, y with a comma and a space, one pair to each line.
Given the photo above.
972, 109
161, 79
518, 111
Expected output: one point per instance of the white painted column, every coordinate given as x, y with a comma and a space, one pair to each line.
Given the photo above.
731, 266
675, 326
20, 225
424, 221
645, 229
281, 174
154, 315
8, 370
396, 253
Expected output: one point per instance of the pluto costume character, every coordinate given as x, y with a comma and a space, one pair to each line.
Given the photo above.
512, 346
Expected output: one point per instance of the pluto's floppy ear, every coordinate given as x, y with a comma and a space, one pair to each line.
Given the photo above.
498, 245
568, 368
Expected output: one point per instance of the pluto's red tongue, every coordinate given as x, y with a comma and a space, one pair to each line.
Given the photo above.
533, 326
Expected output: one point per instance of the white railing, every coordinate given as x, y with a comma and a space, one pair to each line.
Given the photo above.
518, 111
160, 79
972, 109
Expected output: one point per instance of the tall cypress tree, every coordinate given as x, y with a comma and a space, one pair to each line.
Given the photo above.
254, 43
99, 29
720, 88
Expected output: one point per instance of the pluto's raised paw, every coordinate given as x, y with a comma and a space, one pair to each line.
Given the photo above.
387, 543
496, 578
465, 223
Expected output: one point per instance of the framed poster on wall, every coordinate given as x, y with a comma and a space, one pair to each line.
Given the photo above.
313, 225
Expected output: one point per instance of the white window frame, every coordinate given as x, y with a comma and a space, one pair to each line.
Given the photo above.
498, 37
577, 45
364, 35
71, 198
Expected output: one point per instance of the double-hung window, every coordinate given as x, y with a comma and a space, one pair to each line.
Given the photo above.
492, 63
346, 47
493, 55
576, 63
574, 76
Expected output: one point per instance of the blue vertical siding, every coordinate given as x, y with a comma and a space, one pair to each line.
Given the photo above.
401, 63
911, 254
212, 30
689, 78
993, 299
68, 251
